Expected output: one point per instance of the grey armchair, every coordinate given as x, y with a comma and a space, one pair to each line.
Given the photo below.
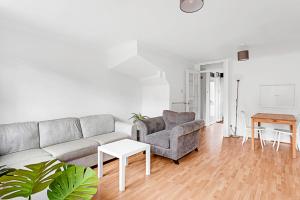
173, 135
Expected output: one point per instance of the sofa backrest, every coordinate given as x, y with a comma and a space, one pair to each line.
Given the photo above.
173, 119
153, 125
97, 124
59, 131
18, 137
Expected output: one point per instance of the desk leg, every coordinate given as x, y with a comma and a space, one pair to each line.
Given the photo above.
294, 139
148, 160
122, 164
100, 164
252, 138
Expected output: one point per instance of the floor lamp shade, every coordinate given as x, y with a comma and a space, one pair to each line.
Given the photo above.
243, 55
190, 6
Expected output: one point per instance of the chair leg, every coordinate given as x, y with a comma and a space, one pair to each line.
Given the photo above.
261, 141
275, 139
244, 140
278, 141
176, 162
264, 142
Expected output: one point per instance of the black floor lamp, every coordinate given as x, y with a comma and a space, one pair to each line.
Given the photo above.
236, 106
242, 56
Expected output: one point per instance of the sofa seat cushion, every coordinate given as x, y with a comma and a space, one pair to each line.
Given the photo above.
22, 158
58, 131
161, 139
72, 150
109, 137
19, 137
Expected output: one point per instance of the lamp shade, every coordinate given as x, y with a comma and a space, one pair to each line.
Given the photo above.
190, 6
243, 55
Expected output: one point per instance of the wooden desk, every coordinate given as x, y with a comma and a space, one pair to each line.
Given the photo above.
276, 119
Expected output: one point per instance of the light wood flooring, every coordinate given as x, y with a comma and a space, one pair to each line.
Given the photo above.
221, 169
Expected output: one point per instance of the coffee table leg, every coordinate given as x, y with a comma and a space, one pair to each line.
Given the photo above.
122, 164
148, 160
100, 164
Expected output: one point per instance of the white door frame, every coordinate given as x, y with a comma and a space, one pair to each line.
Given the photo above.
187, 95
225, 63
208, 93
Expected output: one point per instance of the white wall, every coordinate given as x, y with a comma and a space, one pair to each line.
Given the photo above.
155, 99
45, 76
174, 68
261, 70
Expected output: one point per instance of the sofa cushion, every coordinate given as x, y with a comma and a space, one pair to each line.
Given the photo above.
97, 124
173, 119
22, 158
59, 131
109, 137
18, 137
161, 139
72, 150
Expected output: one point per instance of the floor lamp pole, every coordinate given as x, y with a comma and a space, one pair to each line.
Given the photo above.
236, 106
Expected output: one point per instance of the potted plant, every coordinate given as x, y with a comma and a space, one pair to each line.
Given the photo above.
62, 181
137, 117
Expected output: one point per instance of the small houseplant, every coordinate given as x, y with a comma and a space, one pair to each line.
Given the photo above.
137, 117
63, 181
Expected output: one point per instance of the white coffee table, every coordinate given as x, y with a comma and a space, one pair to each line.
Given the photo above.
123, 149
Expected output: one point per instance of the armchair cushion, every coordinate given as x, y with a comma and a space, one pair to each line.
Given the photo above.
161, 139
173, 119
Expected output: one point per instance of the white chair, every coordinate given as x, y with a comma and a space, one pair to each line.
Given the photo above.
279, 132
246, 129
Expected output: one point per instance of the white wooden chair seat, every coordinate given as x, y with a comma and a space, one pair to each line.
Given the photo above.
284, 131
258, 128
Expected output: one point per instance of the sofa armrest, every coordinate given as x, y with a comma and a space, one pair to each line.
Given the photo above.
186, 128
123, 127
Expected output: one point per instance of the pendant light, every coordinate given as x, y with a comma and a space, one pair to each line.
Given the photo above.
243, 55
190, 6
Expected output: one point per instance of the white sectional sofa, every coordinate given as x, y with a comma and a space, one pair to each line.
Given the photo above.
72, 140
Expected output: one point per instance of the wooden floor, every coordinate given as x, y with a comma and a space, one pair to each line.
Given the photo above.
221, 169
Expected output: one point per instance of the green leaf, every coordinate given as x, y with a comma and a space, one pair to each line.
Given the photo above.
33, 179
74, 183
137, 117
4, 170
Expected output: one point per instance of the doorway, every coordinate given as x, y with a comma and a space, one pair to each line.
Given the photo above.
212, 90
207, 92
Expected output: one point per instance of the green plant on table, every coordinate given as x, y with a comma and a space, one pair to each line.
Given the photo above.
137, 117
62, 180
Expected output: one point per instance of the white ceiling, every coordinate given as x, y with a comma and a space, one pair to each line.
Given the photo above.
214, 32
